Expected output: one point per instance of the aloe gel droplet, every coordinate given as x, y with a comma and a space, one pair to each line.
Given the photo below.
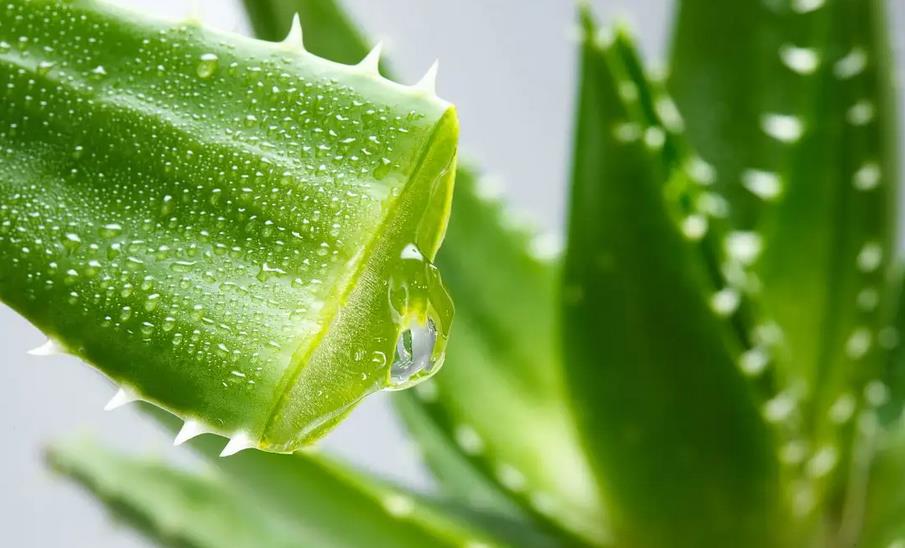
423, 309
228, 240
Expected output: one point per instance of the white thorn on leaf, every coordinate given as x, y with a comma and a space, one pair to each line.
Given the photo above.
428, 84
294, 38
371, 61
121, 398
239, 442
49, 348
189, 430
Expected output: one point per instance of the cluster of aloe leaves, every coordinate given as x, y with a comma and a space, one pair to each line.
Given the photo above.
713, 361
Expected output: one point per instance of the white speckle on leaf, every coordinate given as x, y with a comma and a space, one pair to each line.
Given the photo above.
765, 184
782, 127
800, 60
858, 343
851, 65
469, 440
398, 505
867, 177
694, 227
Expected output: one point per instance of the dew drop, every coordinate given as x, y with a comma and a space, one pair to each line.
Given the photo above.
207, 65
111, 230
71, 241
44, 67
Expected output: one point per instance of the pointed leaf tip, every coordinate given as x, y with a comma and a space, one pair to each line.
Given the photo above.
428, 83
49, 348
371, 61
121, 398
189, 430
238, 442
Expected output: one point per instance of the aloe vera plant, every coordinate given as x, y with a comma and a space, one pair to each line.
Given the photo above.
714, 359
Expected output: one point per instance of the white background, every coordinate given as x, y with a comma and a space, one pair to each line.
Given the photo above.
509, 65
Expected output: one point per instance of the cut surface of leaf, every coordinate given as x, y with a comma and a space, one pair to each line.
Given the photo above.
235, 230
681, 451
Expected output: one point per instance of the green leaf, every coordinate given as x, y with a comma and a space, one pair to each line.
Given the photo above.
173, 507
458, 476
681, 452
502, 366
890, 338
808, 125
876, 516
828, 240
291, 485
807, 129
723, 56
213, 509
237, 231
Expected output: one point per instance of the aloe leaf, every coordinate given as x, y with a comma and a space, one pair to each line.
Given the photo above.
828, 240
723, 56
502, 338
817, 85
212, 509
881, 510
889, 337
679, 444
292, 485
237, 231
170, 506
459, 478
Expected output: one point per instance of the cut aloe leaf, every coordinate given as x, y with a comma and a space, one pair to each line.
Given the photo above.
488, 260
211, 509
665, 411
237, 231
